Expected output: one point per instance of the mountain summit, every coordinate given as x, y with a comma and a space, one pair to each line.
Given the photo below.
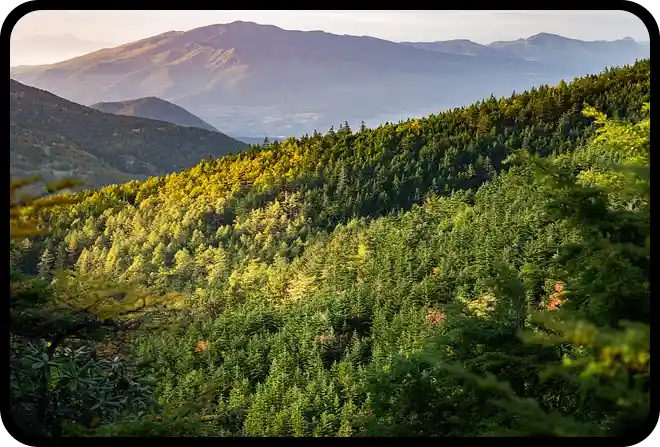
252, 79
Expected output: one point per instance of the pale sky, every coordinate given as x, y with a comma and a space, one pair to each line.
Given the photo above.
118, 27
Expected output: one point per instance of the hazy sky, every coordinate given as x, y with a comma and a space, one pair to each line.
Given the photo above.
480, 26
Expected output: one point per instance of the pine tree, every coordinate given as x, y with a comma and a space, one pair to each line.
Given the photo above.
112, 261
84, 262
46, 263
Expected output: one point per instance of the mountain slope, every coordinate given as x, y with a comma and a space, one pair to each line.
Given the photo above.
263, 80
231, 58
154, 108
314, 270
254, 80
55, 137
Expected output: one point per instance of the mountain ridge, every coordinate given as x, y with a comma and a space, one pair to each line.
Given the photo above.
224, 74
154, 108
56, 138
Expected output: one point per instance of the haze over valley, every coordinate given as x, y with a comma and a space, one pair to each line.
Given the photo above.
254, 80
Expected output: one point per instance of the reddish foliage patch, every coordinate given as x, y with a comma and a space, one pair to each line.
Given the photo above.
435, 317
556, 299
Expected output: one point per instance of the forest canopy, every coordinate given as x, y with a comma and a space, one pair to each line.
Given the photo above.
482, 271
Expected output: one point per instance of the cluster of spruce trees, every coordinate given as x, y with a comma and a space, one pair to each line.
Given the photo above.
480, 271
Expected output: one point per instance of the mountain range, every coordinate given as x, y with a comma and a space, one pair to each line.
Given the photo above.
253, 80
56, 138
547, 49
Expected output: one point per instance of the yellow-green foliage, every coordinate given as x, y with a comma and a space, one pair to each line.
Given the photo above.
316, 272
25, 209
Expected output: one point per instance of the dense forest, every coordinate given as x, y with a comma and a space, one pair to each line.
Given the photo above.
477, 272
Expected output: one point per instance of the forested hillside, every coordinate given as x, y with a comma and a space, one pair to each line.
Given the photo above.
56, 138
367, 283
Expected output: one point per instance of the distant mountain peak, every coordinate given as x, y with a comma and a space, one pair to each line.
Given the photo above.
237, 25
464, 41
249, 78
245, 23
547, 37
156, 108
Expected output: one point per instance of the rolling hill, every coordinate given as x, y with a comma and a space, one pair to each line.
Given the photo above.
154, 108
55, 137
254, 80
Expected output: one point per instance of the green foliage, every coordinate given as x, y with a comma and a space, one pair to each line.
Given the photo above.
57, 373
572, 376
606, 370
389, 281
80, 387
